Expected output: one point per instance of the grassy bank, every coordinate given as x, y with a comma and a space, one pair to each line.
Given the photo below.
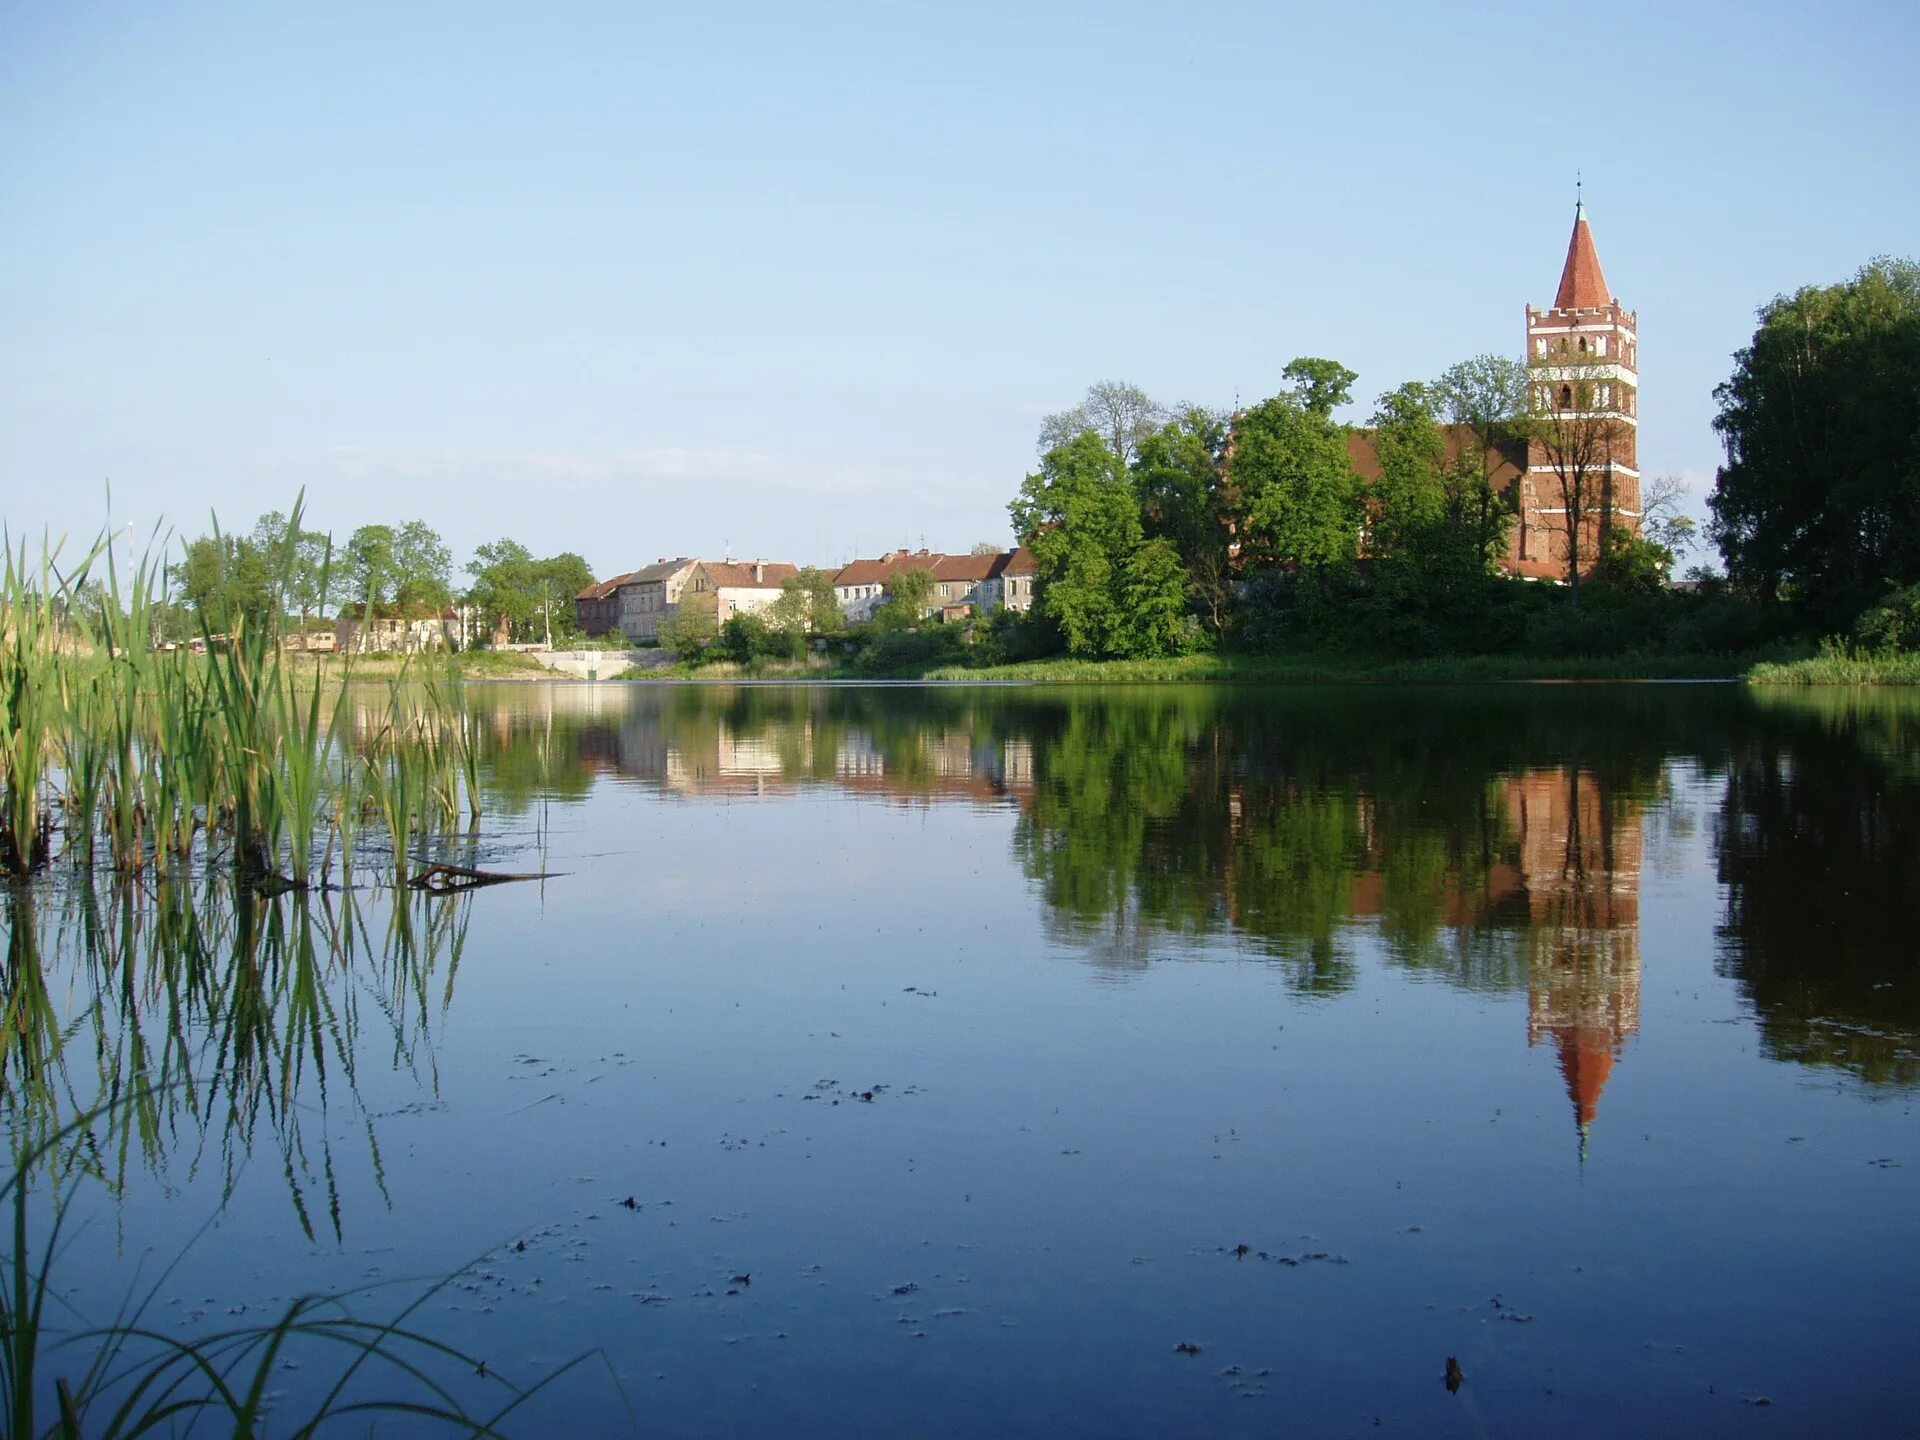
466, 665
1309, 669
1248, 669
1836, 664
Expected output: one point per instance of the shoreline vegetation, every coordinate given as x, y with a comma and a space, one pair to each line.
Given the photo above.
1831, 666
121, 756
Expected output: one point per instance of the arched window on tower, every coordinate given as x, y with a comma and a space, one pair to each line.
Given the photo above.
1583, 344
1566, 397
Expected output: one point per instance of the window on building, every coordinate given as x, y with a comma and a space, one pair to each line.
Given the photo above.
1600, 346
1583, 344
1566, 397
1540, 345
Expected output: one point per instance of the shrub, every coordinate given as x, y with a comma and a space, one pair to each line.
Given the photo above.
910, 652
1893, 624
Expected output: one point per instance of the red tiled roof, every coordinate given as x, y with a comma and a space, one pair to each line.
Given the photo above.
1504, 463
1018, 561
599, 590
966, 567
944, 567
878, 572
741, 576
1582, 286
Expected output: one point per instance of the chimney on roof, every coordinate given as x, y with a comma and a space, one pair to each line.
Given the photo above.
759, 571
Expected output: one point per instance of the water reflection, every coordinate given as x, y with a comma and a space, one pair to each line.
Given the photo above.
213, 1025
1819, 854
1492, 839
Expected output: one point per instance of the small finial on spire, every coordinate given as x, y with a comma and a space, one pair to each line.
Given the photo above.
1579, 199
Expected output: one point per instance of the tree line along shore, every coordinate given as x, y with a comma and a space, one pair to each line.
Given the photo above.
1193, 543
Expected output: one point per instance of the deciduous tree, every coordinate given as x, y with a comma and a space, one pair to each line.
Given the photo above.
1819, 499
1575, 421
1121, 414
1181, 481
1298, 494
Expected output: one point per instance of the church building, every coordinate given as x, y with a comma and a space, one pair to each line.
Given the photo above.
1582, 356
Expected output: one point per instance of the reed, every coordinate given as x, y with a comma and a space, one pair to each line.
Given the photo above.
128, 1377
117, 751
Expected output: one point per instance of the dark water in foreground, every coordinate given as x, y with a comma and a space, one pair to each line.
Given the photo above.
1572, 1031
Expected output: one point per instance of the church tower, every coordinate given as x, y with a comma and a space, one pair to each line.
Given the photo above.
1584, 354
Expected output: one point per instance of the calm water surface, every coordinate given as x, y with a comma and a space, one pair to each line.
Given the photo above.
1572, 1031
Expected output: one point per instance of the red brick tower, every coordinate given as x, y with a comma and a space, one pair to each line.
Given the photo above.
1587, 343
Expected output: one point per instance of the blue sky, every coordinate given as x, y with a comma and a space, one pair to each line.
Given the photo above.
797, 281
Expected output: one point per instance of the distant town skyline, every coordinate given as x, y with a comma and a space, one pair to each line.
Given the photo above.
801, 285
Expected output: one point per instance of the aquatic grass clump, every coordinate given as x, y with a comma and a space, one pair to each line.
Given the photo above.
131, 1378
119, 751
1839, 663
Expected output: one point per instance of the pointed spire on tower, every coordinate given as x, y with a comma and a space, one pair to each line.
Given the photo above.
1586, 1059
1582, 286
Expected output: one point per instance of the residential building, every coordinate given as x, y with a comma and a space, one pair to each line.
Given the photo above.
1017, 572
386, 634
1599, 340
961, 583
739, 588
310, 642
649, 596
596, 609
860, 585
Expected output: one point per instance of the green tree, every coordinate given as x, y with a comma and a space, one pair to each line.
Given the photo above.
1080, 517
556, 580
303, 559
1485, 400
692, 625
807, 606
367, 566
1153, 595
909, 593
1180, 478
406, 570
1436, 529
423, 570
503, 584
1819, 499
1486, 395
1320, 385
1406, 506
1636, 564
223, 580
1298, 494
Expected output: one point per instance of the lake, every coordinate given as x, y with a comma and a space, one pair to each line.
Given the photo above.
978, 1061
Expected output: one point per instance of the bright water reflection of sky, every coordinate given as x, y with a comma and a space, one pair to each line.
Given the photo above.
1065, 1141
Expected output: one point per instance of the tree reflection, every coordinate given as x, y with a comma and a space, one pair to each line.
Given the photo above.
1489, 838
212, 1022
1819, 850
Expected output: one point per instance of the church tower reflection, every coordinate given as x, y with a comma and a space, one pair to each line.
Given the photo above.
1579, 867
